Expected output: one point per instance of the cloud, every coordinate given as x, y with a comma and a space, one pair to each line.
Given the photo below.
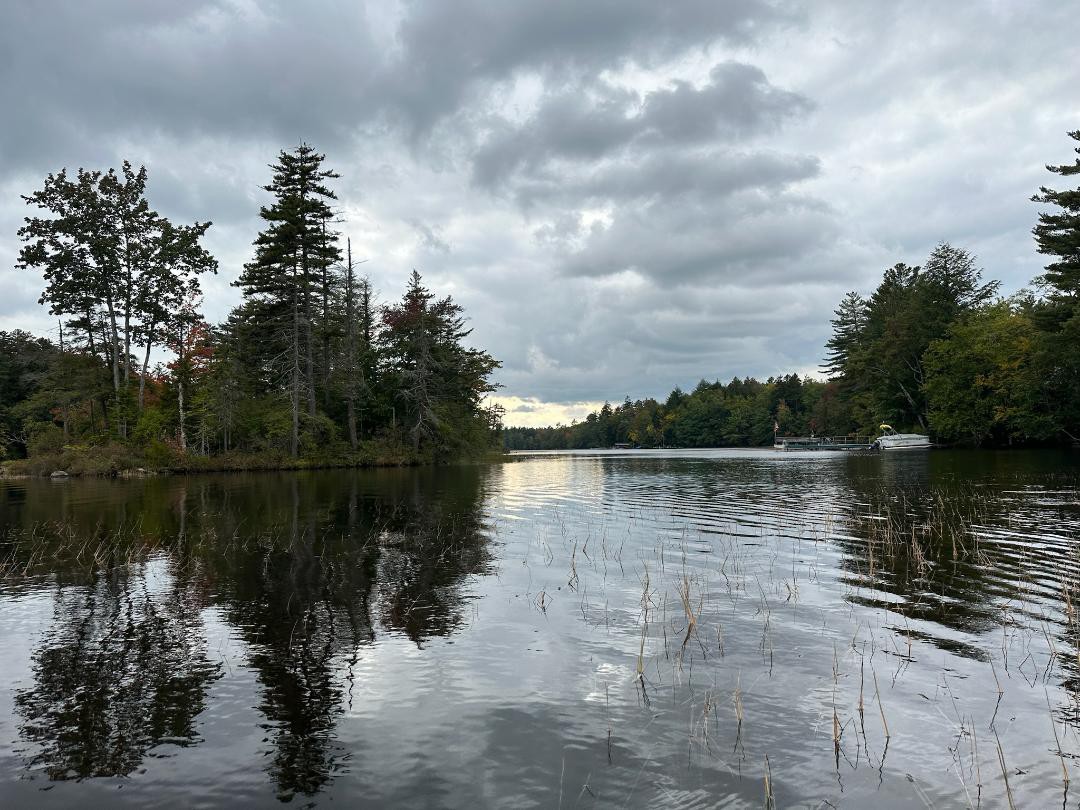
448, 52
588, 123
533, 412
743, 237
624, 196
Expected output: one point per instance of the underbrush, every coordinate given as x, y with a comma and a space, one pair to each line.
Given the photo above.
116, 459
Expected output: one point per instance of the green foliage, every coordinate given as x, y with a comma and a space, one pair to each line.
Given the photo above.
106, 459
880, 362
43, 437
153, 425
847, 332
1057, 315
983, 380
1057, 234
439, 384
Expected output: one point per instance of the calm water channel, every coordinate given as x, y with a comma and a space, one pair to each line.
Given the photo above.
643, 629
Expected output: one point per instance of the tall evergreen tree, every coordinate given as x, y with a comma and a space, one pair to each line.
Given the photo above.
358, 361
847, 329
292, 256
439, 381
911, 308
951, 283
1057, 235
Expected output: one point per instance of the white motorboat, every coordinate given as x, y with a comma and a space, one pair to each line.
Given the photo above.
891, 440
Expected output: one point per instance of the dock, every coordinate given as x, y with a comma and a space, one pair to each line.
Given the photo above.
851, 442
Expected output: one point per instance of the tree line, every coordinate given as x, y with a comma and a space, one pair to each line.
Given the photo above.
310, 365
933, 349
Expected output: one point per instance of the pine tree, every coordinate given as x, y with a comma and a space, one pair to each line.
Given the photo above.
292, 257
410, 337
440, 381
1057, 234
847, 328
952, 283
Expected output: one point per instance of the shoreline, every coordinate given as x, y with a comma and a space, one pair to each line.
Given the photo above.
43, 468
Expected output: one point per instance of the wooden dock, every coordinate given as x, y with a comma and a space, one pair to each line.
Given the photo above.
851, 442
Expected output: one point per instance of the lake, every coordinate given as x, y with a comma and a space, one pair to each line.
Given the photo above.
593, 629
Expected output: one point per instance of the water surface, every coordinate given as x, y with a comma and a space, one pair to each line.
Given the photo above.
638, 629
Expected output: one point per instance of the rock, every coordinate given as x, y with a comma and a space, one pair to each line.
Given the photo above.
59, 474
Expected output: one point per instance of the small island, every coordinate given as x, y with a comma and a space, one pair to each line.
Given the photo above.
310, 370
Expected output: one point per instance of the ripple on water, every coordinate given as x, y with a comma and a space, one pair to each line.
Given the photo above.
634, 629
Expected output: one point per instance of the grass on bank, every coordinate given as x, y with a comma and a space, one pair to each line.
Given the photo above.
116, 459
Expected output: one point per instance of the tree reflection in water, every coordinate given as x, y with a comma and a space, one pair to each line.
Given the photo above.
926, 544
298, 565
122, 668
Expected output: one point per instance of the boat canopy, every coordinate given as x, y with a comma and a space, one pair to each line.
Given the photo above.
883, 426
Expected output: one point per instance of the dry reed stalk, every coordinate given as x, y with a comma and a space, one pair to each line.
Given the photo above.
688, 609
770, 801
975, 755
641, 650
862, 682
881, 708
1004, 772
738, 713
1057, 742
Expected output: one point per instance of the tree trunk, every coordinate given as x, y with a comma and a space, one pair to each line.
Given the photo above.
366, 369
90, 333
180, 397
309, 354
350, 347
115, 344
66, 405
145, 363
325, 323
127, 324
121, 428
181, 368
294, 382
914, 407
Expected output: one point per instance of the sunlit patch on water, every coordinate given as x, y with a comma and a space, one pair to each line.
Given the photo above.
636, 629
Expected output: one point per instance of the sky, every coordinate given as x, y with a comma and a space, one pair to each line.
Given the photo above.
625, 196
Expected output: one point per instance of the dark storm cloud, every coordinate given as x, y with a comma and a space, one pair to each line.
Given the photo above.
679, 212
77, 72
446, 47
582, 124
80, 74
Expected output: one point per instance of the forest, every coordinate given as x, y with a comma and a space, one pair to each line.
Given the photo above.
933, 349
308, 370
